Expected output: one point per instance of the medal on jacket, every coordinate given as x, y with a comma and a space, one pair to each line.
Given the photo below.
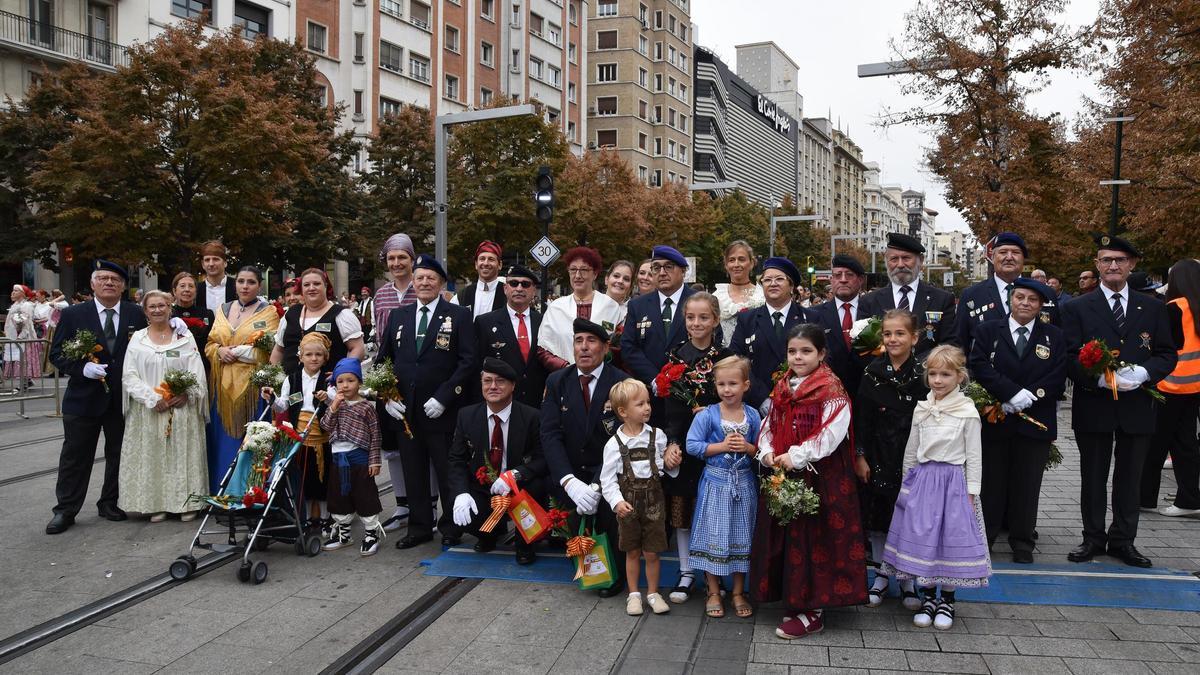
1145, 340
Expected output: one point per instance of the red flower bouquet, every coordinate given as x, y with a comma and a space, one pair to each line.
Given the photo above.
255, 495
688, 383
486, 475
1097, 359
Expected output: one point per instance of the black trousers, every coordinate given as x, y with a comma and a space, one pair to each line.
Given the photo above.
483, 499
1012, 483
1096, 453
81, 435
1175, 433
605, 519
416, 454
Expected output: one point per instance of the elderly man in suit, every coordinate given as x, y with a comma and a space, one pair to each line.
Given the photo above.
505, 435
1115, 424
837, 315
1022, 361
932, 307
760, 334
989, 299
217, 288
511, 334
654, 322
93, 399
432, 346
576, 423
486, 294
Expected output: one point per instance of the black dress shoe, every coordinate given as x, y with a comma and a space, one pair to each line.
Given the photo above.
1130, 556
1085, 552
614, 590
481, 546
449, 541
1023, 557
526, 557
112, 513
411, 541
59, 523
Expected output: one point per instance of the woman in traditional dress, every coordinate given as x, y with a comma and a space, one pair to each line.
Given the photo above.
163, 455
317, 312
741, 292
22, 360
233, 358
557, 334
199, 319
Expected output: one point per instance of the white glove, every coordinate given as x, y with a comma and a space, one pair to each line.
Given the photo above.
434, 409
244, 353
765, 408
331, 392
1124, 384
654, 387
464, 508
180, 327
1102, 382
1008, 408
1021, 400
586, 499
500, 486
395, 409
1134, 374
95, 371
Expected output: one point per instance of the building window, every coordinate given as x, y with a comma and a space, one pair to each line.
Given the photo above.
451, 87
606, 138
536, 24
487, 54
392, 7
487, 8
316, 37
254, 20
683, 92
671, 86
418, 14
671, 149
658, 114
188, 9
683, 32
670, 55
358, 103
683, 122
390, 56
515, 20
643, 44
606, 105
671, 116
485, 96
658, 51
555, 76
418, 67
571, 52
554, 34
643, 107
552, 116
606, 72
388, 107
571, 92
452, 38
658, 82
683, 154
572, 132
359, 38
657, 146
516, 60
535, 68
656, 178
642, 13
643, 76
671, 23
643, 172
683, 61
606, 39
658, 18
606, 8
643, 140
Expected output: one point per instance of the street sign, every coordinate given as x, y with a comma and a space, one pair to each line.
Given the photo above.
545, 252
947, 278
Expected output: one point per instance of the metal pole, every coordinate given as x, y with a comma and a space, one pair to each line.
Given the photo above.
439, 187
1116, 187
772, 235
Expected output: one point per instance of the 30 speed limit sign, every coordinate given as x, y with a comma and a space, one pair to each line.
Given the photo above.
545, 252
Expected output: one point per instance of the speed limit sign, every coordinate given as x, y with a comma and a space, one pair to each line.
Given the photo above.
545, 252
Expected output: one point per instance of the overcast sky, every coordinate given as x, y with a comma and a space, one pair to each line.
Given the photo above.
828, 40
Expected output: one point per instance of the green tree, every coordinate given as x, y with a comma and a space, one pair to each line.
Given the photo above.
601, 202
399, 187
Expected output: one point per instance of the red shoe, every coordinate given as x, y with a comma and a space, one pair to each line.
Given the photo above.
806, 623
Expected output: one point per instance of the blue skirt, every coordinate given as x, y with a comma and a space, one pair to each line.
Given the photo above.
223, 450
723, 522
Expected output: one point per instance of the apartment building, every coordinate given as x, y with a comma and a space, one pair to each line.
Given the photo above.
815, 162
639, 85
848, 216
921, 219
883, 211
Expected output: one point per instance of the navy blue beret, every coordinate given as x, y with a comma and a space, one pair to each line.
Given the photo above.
585, 326
498, 367
1047, 293
110, 266
783, 265
428, 262
849, 262
1108, 243
1010, 239
668, 253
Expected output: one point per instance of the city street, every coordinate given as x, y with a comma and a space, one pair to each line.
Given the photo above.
312, 613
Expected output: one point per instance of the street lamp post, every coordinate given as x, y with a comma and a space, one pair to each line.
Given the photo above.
775, 220
441, 128
1116, 181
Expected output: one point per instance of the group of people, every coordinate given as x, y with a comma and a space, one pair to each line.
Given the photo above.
668, 417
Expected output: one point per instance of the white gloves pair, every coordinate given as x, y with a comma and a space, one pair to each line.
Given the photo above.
395, 409
95, 371
499, 486
464, 508
179, 327
433, 409
1128, 378
586, 499
1022, 400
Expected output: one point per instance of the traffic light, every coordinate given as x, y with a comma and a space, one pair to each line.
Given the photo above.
809, 262
543, 196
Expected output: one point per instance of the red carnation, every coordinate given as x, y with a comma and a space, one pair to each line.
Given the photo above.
193, 322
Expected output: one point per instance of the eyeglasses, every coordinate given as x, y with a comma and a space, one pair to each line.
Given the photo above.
1107, 261
107, 279
773, 281
663, 267
519, 283
579, 271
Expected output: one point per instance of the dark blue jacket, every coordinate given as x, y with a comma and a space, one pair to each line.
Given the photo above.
85, 396
754, 338
646, 342
1146, 341
573, 436
846, 364
444, 367
982, 302
1042, 370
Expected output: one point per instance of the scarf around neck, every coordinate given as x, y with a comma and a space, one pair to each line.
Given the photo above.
797, 416
955, 404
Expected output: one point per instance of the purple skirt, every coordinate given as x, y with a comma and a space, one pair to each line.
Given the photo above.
936, 536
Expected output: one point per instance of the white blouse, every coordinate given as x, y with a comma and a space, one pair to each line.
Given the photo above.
308, 386
146, 363
557, 332
348, 325
730, 309
612, 466
949, 439
816, 448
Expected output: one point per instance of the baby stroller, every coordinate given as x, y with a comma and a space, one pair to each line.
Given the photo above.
256, 501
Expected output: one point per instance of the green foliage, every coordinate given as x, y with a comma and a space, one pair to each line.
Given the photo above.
399, 189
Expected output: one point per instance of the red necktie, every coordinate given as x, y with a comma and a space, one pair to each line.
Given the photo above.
584, 381
496, 453
522, 336
847, 322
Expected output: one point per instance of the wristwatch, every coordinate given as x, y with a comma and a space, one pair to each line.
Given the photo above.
516, 475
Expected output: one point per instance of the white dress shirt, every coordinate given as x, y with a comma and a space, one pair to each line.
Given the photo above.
504, 415
912, 294
417, 318
215, 295
1124, 293
308, 386
785, 310
613, 467
853, 302
484, 298
595, 378
1002, 287
662, 301
516, 323
116, 314
1013, 326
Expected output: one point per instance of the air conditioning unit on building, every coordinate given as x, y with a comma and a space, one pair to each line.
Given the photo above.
514, 68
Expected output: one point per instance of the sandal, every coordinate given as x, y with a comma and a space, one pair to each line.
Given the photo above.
715, 609
741, 606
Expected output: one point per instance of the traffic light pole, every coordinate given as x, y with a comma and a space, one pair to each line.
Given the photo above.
441, 133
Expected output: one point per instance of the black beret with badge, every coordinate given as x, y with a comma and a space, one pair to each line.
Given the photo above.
428, 262
110, 266
498, 367
904, 242
1108, 243
849, 262
585, 326
522, 272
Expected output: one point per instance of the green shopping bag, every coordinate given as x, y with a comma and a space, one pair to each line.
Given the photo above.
593, 557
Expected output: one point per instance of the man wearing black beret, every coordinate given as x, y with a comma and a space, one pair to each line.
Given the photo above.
837, 315
93, 399
933, 308
504, 435
511, 334
1117, 424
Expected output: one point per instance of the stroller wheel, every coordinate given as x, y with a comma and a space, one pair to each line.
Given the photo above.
260, 572
243, 573
312, 545
180, 569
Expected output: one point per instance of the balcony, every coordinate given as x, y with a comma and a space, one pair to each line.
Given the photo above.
53, 43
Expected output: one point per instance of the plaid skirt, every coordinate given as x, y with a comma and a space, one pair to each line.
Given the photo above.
723, 520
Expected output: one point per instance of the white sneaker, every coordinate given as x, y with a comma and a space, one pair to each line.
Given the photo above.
944, 618
657, 603
633, 604
1175, 511
370, 544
